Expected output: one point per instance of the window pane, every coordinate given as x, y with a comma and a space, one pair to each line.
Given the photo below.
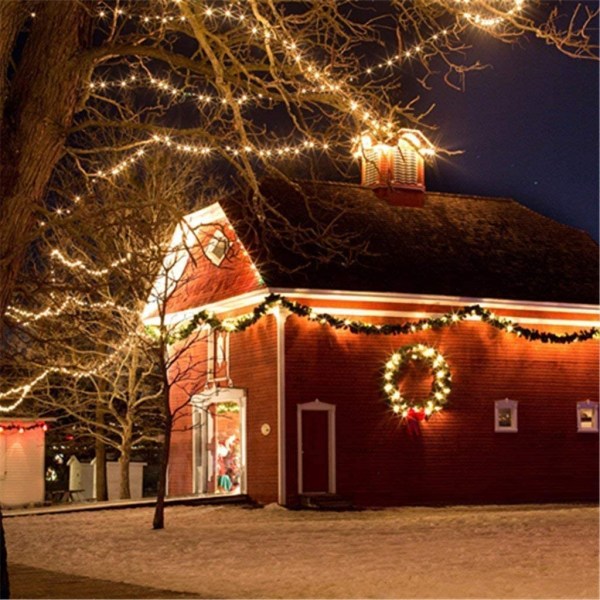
220, 249
504, 417
586, 418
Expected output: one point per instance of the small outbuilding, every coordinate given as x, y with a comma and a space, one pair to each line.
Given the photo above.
22, 451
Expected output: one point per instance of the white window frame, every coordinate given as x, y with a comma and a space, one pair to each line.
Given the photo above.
506, 404
587, 405
217, 355
200, 403
217, 237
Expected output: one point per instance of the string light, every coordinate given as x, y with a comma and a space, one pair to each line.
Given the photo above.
354, 326
309, 69
274, 152
22, 391
78, 264
440, 387
325, 83
490, 21
22, 428
25, 317
173, 91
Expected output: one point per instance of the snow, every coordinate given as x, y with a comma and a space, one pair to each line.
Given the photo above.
233, 552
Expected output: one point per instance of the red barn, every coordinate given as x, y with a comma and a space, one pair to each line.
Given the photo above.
446, 355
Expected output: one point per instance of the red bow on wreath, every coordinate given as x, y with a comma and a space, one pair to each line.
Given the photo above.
412, 421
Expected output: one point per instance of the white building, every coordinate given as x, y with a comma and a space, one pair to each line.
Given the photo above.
21, 462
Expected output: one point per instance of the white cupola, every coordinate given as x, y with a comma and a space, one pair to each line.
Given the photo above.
394, 169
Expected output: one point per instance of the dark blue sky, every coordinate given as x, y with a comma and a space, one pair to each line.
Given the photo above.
529, 130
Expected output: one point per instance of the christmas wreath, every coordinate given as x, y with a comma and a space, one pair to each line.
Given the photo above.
440, 387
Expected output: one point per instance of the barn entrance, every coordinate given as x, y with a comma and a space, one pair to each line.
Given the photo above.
219, 442
316, 448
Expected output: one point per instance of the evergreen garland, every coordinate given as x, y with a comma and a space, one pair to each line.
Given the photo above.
473, 312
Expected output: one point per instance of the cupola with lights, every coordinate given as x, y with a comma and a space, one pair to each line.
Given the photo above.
393, 166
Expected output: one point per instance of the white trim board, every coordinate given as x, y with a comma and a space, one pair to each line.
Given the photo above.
251, 299
281, 316
398, 298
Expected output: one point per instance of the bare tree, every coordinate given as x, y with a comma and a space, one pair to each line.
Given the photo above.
238, 85
235, 87
80, 325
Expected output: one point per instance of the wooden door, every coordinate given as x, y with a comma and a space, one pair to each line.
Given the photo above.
315, 451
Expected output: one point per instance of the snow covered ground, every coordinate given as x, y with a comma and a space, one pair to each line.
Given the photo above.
231, 552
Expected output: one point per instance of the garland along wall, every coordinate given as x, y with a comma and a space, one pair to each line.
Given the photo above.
456, 456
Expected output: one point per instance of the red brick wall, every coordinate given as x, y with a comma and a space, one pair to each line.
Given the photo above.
203, 282
254, 368
457, 458
187, 378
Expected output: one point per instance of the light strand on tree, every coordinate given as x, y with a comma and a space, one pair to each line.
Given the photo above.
311, 71
25, 317
480, 20
323, 81
173, 91
22, 391
276, 152
80, 265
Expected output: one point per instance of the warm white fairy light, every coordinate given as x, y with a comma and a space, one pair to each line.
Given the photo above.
275, 151
311, 71
206, 99
440, 388
25, 317
478, 19
320, 76
22, 391
80, 265
122, 165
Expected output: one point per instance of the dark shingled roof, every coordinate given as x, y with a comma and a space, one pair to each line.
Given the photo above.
455, 245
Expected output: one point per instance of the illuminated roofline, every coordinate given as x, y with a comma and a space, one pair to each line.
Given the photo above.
251, 299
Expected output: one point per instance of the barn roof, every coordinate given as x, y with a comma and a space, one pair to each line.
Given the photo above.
455, 245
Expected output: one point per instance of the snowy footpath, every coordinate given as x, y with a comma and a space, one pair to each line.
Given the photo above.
232, 552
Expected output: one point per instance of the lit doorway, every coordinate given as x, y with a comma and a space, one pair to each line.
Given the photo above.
219, 442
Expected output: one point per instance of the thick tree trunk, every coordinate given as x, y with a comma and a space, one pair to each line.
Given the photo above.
12, 17
42, 98
100, 451
100, 470
4, 585
124, 462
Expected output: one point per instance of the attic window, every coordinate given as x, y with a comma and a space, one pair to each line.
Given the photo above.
406, 169
217, 247
371, 168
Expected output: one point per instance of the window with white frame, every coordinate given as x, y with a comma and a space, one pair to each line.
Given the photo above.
505, 416
217, 357
587, 417
217, 247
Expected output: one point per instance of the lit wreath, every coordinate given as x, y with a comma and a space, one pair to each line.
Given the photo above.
440, 388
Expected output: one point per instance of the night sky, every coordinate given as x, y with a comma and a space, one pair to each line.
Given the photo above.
529, 130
